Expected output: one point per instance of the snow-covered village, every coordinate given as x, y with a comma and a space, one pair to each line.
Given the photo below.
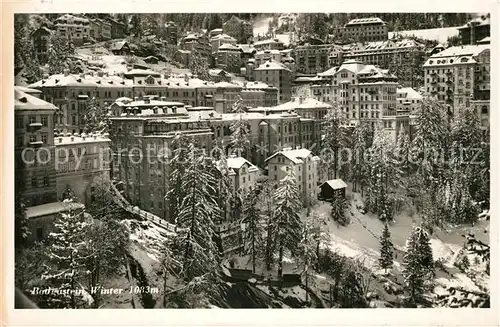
251, 160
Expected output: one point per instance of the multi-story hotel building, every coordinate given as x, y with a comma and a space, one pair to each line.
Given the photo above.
312, 59
476, 31
404, 56
365, 29
269, 44
40, 38
221, 39
304, 165
34, 149
258, 94
73, 28
460, 76
238, 28
408, 100
278, 75
198, 42
82, 164
228, 57
35, 174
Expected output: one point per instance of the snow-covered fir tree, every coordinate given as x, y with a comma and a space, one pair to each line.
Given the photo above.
251, 217
431, 144
60, 54
266, 206
240, 133
334, 139
363, 138
96, 117
338, 211
402, 151
307, 253
224, 191
199, 66
195, 246
21, 229
386, 249
286, 214
418, 265
66, 257
177, 163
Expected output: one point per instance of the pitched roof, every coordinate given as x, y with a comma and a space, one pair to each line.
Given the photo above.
24, 101
335, 184
296, 156
369, 20
238, 162
272, 65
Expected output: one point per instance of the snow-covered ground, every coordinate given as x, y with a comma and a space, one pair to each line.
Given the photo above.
439, 34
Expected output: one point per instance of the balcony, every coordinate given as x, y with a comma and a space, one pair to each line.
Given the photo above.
31, 127
36, 144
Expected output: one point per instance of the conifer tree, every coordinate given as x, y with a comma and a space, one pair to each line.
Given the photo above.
224, 192
338, 211
177, 164
196, 248
386, 249
418, 265
252, 219
334, 140
240, 142
60, 54
21, 231
266, 205
198, 66
96, 117
66, 258
286, 214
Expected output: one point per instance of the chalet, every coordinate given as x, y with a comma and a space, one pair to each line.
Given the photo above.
120, 48
331, 189
151, 60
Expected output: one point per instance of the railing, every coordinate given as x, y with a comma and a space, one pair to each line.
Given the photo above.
122, 202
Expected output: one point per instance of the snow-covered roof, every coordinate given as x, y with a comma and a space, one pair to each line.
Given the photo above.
336, 184
351, 65
264, 52
51, 208
223, 37
226, 85
257, 85
246, 48
238, 162
245, 116
229, 46
306, 103
153, 103
486, 40
81, 139
27, 90
464, 50
297, 156
82, 80
481, 20
370, 20
408, 93
272, 65
329, 72
25, 101
268, 41
118, 45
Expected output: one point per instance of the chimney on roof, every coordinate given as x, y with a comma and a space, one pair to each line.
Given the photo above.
65, 71
301, 99
82, 75
146, 100
136, 98
84, 136
95, 136
163, 98
100, 73
72, 138
60, 139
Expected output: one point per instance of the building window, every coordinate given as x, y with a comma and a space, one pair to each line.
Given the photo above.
33, 182
44, 139
19, 140
32, 138
45, 180
19, 122
32, 119
44, 121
